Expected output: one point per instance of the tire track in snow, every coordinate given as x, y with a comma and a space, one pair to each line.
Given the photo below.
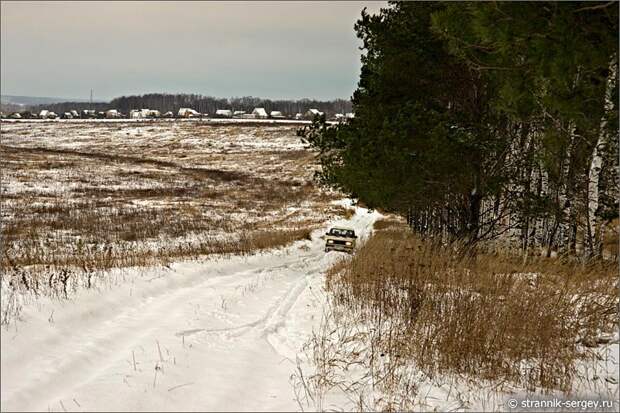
282, 305
109, 341
58, 362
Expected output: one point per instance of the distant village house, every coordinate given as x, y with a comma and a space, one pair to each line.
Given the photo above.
260, 113
46, 114
187, 113
313, 113
224, 113
276, 114
112, 114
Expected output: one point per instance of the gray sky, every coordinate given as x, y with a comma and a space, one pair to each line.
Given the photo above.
224, 49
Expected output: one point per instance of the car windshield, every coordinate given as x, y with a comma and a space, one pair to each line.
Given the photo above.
342, 232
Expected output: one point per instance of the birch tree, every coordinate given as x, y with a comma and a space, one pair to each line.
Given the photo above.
594, 227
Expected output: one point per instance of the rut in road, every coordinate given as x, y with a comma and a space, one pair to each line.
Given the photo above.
173, 324
271, 319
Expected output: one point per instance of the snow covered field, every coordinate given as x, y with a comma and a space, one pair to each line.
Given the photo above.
161, 191
167, 266
179, 266
221, 335
158, 266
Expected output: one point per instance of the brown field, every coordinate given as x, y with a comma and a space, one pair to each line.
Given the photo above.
94, 196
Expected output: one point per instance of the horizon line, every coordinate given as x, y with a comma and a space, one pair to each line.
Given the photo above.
104, 100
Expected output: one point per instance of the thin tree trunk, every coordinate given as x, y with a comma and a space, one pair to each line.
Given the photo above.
593, 224
566, 193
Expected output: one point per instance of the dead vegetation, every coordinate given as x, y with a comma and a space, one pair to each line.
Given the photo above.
406, 312
82, 198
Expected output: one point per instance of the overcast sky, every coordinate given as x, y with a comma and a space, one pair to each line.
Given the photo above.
224, 49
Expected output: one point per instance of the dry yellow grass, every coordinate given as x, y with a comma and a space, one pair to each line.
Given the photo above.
79, 198
389, 223
488, 318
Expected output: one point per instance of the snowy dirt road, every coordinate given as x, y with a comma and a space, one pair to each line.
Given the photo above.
218, 335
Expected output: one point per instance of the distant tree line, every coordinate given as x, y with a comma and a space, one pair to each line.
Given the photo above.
485, 121
164, 102
10, 107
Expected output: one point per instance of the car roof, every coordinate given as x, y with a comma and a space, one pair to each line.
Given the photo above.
344, 229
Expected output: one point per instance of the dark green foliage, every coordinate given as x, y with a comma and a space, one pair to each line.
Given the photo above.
467, 113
